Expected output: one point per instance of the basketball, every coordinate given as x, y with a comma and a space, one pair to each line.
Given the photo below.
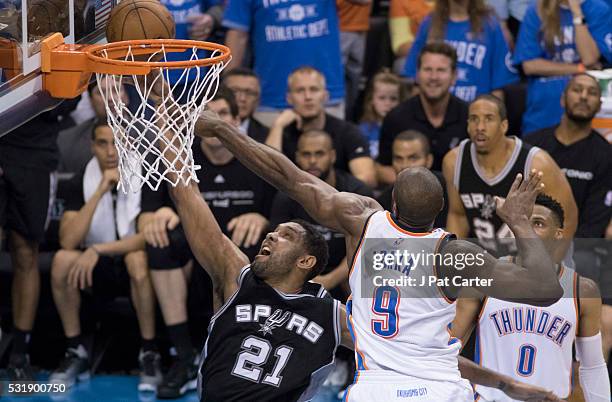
140, 19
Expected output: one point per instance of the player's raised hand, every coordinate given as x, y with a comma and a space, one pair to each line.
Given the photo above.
521, 198
526, 392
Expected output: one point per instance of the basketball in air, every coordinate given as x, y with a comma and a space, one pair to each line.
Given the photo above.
139, 19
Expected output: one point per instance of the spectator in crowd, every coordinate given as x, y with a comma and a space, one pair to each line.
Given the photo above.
483, 58
510, 14
285, 36
435, 112
307, 95
354, 20
75, 142
485, 166
411, 149
315, 154
101, 250
385, 92
554, 42
28, 160
244, 83
240, 202
405, 17
582, 153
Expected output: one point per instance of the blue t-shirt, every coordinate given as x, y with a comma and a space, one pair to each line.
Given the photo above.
544, 93
372, 132
181, 10
483, 63
287, 35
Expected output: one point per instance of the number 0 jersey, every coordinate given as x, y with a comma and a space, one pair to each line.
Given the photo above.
478, 193
264, 345
403, 329
531, 344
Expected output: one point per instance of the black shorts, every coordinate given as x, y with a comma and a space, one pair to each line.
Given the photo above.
110, 279
174, 256
25, 198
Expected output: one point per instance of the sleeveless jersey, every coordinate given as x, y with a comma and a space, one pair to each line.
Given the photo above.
477, 194
264, 345
403, 329
531, 344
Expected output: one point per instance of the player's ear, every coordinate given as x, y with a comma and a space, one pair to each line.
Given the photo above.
306, 262
504, 126
559, 234
429, 162
333, 156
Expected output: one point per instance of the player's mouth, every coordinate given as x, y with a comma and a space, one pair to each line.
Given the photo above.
265, 251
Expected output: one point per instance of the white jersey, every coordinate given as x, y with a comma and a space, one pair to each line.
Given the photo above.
531, 344
403, 329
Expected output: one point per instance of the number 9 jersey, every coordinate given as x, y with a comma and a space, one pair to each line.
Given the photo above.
265, 345
403, 329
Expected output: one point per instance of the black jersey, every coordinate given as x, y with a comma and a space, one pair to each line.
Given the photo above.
478, 194
264, 345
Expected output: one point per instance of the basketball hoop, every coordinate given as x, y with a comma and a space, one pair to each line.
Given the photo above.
154, 140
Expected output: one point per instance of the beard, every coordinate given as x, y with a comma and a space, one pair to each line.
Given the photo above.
259, 268
581, 119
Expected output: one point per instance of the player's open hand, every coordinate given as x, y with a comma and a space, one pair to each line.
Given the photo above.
156, 231
81, 272
247, 229
531, 393
519, 202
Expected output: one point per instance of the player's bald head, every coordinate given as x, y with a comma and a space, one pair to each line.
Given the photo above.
418, 196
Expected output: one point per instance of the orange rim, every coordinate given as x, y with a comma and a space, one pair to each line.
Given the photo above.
116, 50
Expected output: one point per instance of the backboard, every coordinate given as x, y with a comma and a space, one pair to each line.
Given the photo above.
23, 23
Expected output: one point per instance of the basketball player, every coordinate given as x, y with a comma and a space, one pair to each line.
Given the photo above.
404, 347
275, 328
484, 166
534, 344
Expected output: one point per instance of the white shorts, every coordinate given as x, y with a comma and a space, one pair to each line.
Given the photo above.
386, 386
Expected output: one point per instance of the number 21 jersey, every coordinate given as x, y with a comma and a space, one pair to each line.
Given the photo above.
265, 345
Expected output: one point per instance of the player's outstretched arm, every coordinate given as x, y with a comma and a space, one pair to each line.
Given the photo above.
594, 379
535, 280
221, 258
511, 387
342, 212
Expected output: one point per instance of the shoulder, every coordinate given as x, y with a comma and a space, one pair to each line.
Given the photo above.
541, 137
340, 127
449, 160
403, 110
458, 104
543, 161
599, 143
587, 288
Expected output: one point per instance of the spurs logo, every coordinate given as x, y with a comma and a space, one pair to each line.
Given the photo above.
274, 321
488, 207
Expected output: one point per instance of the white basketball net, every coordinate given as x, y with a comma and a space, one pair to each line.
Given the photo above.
154, 141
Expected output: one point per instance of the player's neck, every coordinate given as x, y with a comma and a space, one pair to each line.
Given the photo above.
571, 131
493, 162
286, 285
331, 178
315, 123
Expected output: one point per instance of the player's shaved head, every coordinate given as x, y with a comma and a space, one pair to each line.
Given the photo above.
418, 196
